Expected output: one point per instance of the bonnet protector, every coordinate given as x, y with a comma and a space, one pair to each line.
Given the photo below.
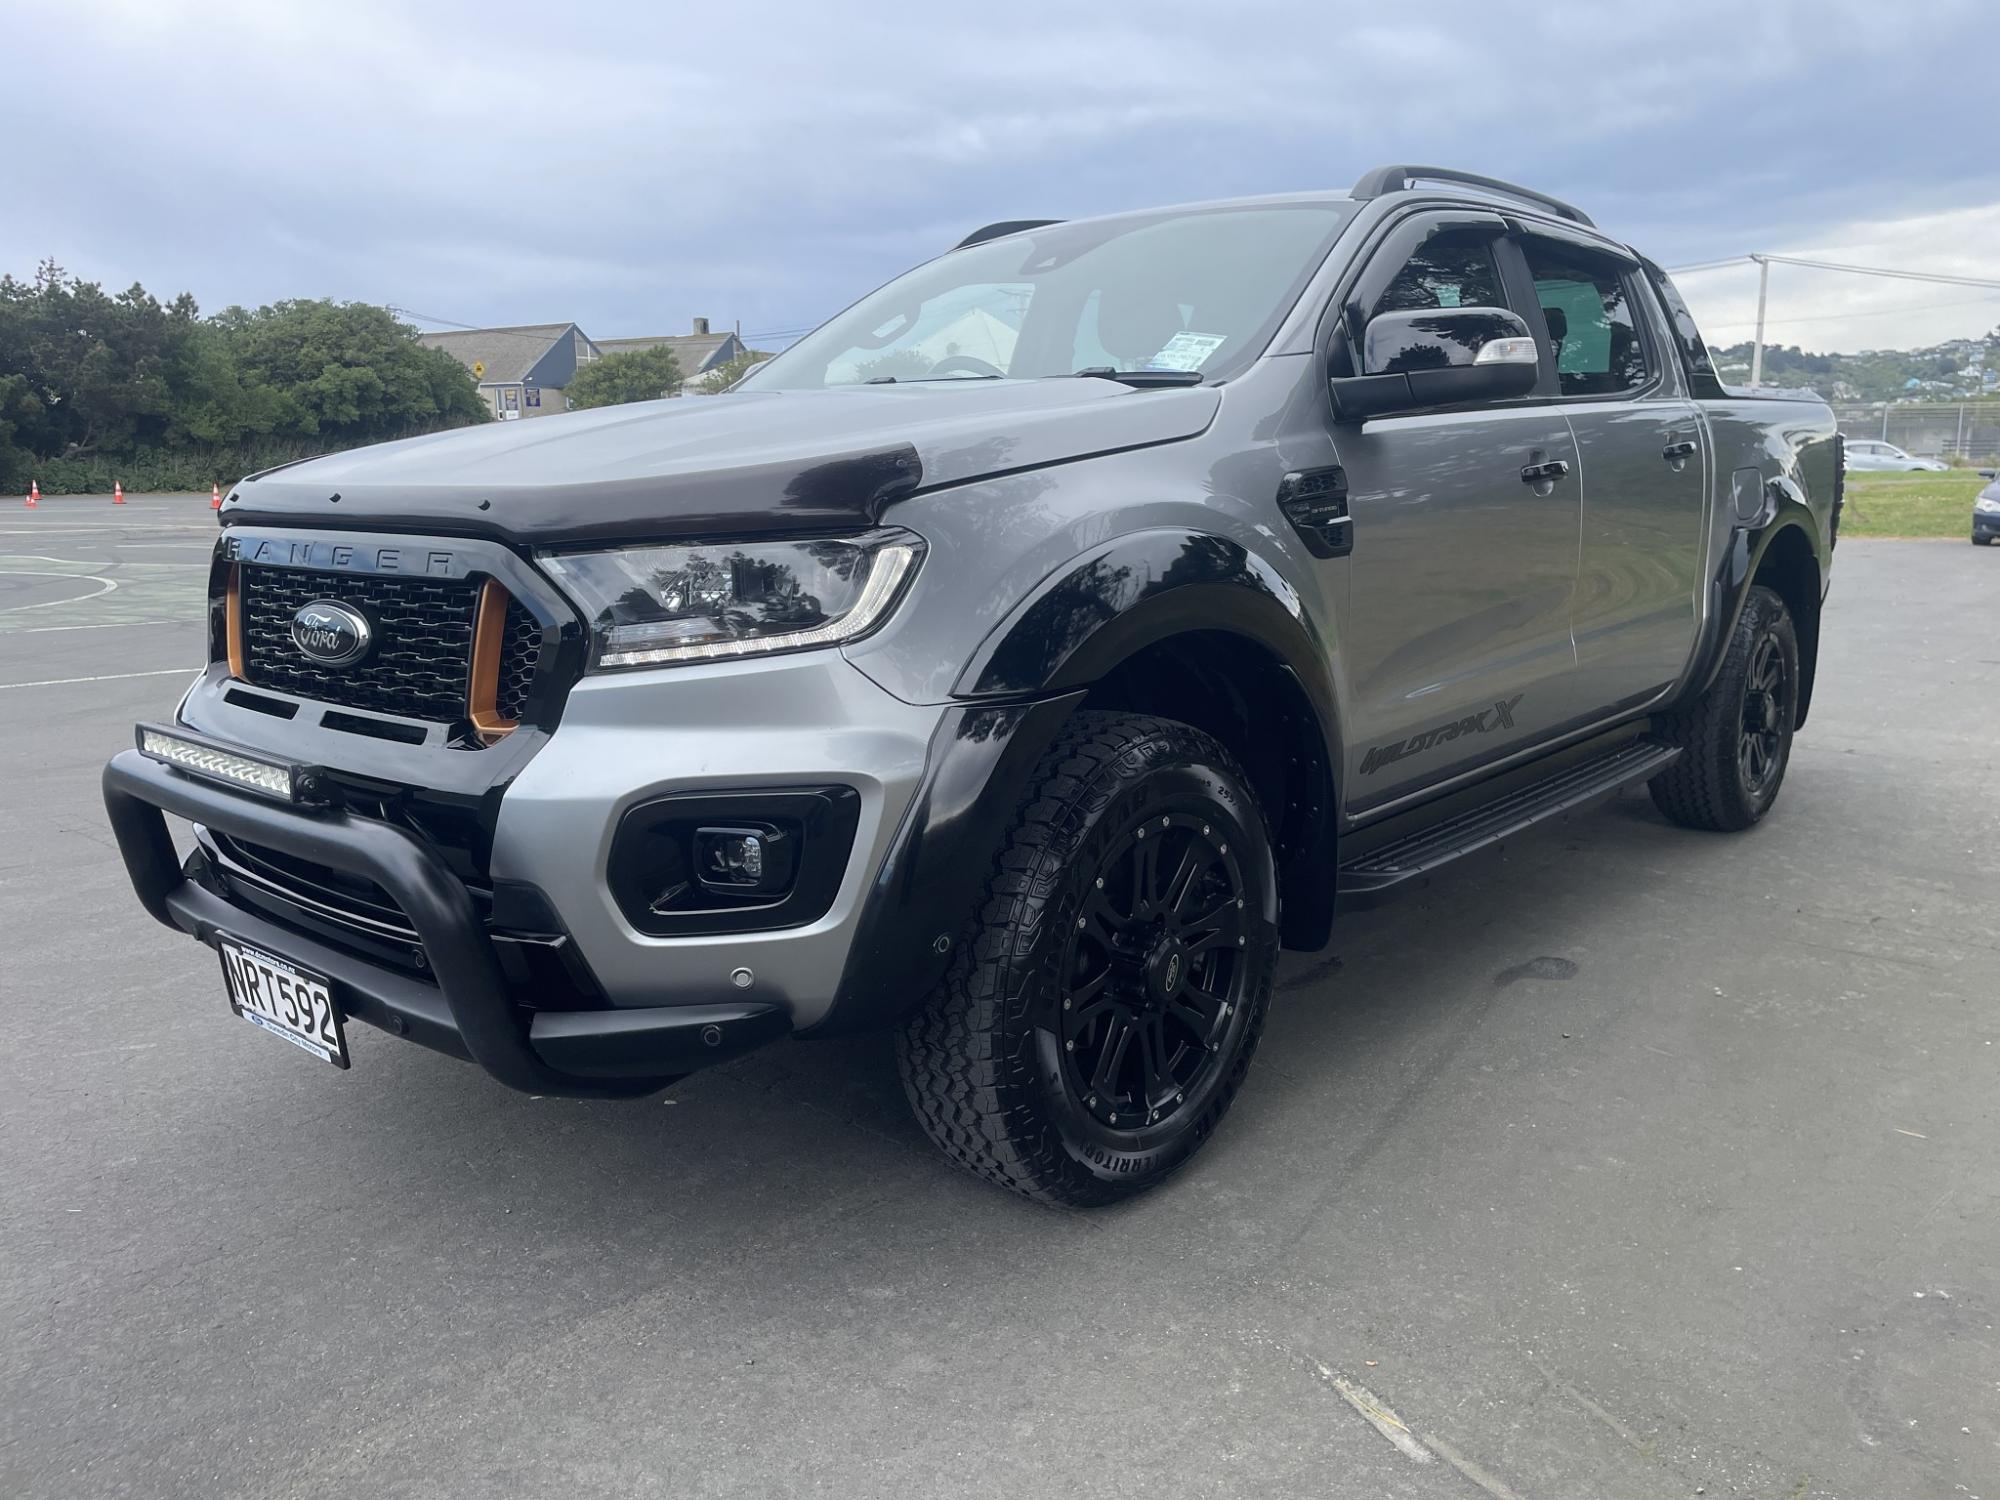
845, 492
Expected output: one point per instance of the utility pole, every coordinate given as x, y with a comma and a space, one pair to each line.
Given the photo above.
1757, 349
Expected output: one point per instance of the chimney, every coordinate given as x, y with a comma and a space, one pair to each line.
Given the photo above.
701, 325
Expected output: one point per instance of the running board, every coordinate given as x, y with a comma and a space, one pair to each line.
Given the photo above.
1407, 863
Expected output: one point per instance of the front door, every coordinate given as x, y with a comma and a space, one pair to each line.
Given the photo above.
1454, 631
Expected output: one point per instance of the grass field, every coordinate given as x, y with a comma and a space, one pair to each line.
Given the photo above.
1910, 504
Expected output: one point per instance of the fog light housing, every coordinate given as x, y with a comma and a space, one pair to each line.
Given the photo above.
754, 860
725, 860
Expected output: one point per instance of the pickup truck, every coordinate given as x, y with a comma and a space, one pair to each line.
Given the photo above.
1016, 665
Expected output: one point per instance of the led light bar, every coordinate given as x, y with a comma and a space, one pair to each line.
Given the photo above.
270, 778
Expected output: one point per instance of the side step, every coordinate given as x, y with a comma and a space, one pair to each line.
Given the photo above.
1407, 863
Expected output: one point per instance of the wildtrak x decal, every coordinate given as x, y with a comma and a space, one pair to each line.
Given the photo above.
1499, 716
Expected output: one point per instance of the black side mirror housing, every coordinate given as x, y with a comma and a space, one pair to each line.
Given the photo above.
1438, 356
1989, 473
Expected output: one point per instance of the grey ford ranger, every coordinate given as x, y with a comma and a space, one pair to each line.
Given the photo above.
1017, 663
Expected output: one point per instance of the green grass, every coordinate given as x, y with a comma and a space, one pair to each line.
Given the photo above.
1910, 504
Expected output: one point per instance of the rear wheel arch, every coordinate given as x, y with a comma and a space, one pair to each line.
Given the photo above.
1788, 566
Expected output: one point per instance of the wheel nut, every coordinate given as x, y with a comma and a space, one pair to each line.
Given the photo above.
1242, 942
1163, 822
1069, 1046
1180, 1098
1100, 882
1204, 830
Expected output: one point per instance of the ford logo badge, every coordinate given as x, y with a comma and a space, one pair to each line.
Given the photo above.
332, 634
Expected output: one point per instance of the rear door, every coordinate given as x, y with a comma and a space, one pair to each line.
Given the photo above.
1643, 462
1454, 633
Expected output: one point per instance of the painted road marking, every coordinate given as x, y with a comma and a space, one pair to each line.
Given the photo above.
1376, 1411
110, 584
102, 625
105, 677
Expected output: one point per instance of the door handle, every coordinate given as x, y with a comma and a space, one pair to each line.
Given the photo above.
1546, 473
1673, 453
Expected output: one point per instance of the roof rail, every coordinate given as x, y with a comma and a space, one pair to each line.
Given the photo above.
1395, 179
1005, 226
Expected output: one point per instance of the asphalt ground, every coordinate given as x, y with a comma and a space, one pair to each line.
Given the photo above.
1634, 1162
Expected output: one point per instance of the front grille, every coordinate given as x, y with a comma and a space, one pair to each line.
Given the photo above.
423, 649
520, 654
422, 658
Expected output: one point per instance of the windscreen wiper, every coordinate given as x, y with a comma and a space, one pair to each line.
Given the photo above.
922, 379
1140, 377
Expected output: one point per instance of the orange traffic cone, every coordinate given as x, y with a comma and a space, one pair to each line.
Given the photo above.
215, 497
34, 494
118, 492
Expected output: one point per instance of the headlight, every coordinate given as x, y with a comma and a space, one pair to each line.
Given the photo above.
1987, 504
662, 606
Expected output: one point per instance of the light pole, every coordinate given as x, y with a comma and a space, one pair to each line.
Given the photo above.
1757, 348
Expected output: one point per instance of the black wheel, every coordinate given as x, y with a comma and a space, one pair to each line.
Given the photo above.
1737, 740
1101, 1014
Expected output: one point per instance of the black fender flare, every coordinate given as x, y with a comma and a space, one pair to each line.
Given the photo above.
1749, 543
1015, 695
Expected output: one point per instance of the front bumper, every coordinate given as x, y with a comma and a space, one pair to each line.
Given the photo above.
1985, 524
470, 1011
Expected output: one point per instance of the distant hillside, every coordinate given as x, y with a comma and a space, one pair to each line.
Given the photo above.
1956, 371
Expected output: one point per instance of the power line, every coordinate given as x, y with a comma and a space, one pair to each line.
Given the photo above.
1887, 312
1764, 262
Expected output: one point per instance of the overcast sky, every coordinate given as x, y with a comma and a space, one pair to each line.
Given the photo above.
632, 165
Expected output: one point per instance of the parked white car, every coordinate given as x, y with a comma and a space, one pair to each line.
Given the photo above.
1867, 453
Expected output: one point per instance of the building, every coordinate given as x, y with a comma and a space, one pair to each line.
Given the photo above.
696, 353
522, 371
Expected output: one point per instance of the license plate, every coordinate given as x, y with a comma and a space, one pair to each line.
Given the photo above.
283, 999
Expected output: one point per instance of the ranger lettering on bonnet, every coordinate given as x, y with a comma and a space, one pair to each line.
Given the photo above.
1012, 697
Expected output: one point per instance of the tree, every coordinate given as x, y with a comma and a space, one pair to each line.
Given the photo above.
722, 377
641, 375
92, 384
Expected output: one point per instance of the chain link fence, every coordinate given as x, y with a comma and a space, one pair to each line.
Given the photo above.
1968, 431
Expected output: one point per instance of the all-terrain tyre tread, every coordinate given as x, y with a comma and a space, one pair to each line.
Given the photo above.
1703, 789
972, 1098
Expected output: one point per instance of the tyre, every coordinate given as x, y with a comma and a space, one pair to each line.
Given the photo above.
1736, 740
1101, 1014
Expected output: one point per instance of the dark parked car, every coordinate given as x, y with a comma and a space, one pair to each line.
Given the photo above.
1986, 510
1274, 555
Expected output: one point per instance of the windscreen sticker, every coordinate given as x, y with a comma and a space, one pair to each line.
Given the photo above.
1187, 351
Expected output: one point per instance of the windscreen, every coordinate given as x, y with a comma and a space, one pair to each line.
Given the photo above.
1199, 290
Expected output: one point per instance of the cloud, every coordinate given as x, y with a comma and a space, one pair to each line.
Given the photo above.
632, 165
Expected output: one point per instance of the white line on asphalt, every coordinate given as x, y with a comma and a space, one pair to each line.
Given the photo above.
82, 562
106, 677
1377, 1413
101, 625
110, 584
1487, 1482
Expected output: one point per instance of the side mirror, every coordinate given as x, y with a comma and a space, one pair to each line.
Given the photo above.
1438, 356
1989, 473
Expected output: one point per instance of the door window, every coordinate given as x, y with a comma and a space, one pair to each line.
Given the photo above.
1454, 268
1591, 322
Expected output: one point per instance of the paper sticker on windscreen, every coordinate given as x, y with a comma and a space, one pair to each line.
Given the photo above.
1187, 351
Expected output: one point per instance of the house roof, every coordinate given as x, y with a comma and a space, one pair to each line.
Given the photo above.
508, 354
695, 353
